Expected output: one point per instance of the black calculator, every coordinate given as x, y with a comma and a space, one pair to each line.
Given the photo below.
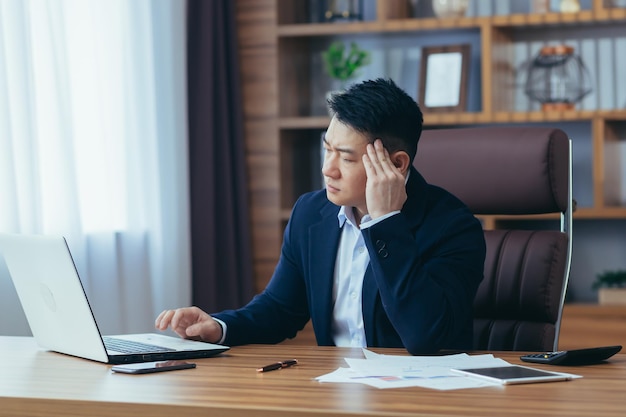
586, 356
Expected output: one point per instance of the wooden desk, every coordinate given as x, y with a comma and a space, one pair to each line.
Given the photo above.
38, 383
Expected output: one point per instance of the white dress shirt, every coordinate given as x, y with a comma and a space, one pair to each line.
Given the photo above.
350, 265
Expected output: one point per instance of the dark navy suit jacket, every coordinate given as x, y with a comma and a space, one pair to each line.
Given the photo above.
425, 267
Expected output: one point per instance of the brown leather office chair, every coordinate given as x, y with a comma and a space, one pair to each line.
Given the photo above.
511, 171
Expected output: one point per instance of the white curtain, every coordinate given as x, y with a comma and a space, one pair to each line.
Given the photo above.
93, 146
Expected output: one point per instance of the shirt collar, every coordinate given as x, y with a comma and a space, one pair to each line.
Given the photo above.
341, 216
346, 213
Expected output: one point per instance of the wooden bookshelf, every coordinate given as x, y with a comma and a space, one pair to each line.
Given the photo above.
497, 33
277, 45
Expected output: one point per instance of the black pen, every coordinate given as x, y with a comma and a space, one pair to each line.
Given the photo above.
278, 365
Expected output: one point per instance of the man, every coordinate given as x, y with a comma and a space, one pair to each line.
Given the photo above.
378, 258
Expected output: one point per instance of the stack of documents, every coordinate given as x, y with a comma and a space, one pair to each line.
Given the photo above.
388, 371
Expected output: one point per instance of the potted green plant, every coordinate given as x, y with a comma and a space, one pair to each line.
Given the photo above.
611, 286
342, 63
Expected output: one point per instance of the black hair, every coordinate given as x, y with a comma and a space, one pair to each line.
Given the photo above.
380, 110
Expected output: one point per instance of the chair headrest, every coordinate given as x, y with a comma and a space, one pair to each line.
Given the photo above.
499, 170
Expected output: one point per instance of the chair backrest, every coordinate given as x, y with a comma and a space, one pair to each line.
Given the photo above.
511, 171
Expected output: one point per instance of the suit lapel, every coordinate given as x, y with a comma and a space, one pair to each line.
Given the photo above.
368, 303
323, 252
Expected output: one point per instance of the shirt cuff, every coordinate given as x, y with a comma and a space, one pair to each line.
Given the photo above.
224, 328
371, 223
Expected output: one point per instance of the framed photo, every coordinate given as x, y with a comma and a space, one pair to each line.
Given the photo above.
443, 78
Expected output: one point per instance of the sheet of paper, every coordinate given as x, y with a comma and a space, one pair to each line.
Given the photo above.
389, 371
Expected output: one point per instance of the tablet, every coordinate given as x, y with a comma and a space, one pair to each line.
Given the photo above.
514, 374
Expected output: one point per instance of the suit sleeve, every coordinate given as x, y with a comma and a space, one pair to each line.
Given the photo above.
278, 312
427, 278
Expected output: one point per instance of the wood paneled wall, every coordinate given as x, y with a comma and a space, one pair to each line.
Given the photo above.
256, 20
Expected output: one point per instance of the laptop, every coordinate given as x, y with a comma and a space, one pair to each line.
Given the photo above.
59, 314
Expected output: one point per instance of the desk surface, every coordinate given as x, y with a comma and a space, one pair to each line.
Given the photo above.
36, 383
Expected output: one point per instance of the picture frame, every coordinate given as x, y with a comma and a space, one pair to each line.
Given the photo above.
443, 78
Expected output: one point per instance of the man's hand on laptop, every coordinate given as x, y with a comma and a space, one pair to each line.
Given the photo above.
190, 323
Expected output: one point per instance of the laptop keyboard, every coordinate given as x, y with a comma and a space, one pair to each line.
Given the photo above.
129, 346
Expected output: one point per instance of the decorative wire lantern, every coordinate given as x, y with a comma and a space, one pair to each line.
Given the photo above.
343, 10
557, 78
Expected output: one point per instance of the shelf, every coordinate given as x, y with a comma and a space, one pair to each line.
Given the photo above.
386, 26
565, 116
316, 122
429, 24
600, 213
607, 213
443, 119
548, 19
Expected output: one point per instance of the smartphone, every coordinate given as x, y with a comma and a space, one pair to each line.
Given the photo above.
151, 367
